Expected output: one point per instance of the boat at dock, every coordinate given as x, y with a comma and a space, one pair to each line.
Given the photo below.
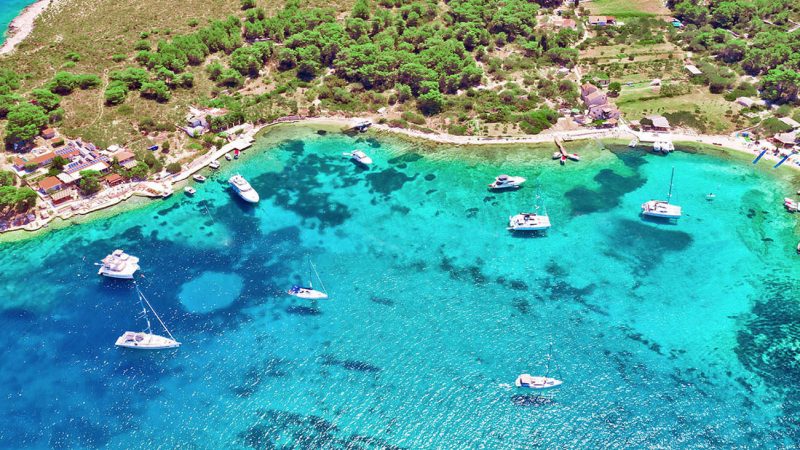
243, 189
791, 205
119, 265
506, 182
228, 157
214, 164
146, 340
563, 159
633, 143
360, 125
359, 157
199, 178
664, 146
309, 292
189, 190
557, 155
662, 208
573, 156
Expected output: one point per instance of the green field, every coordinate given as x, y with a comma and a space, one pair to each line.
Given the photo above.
627, 8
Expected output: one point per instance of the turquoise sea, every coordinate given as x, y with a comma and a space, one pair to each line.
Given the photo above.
9, 9
666, 335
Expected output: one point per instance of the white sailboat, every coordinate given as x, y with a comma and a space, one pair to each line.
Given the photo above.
529, 221
309, 292
526, 380
146, 340
661, 208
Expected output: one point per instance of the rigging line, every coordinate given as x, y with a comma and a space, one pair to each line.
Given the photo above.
318, 277
143, 298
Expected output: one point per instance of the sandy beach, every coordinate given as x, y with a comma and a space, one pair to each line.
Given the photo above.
22, 26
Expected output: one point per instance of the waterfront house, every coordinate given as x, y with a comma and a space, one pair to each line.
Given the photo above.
50, 184
785, 140
126, 159
41, 160
660, 123
63, 196
113, 179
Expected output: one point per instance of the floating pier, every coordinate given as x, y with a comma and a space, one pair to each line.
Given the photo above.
763, 152
783, 160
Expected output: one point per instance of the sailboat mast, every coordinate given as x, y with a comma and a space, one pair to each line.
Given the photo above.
671, 179
144, 299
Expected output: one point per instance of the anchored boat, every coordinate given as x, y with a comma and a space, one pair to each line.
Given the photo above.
529, 381
243, 189
309, 292
146, 340
119, 265
662, 208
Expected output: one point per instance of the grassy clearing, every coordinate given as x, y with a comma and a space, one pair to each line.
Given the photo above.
628, 8
698, 109
98, 29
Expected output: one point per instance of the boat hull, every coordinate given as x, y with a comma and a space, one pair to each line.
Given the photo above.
127, 275
308, 294
539, 383
145, 341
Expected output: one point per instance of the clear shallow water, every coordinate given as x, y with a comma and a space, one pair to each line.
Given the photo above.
9, 9
666, 335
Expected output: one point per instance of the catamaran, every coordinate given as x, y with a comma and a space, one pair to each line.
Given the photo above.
529, 221
243, 188
146, 340
309, 292
661, 208
119, 265
507, 182
538, 382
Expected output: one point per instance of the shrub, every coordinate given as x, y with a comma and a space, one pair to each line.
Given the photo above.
174, 167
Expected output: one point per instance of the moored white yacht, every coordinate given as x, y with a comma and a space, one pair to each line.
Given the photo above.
146, 340
214, 164
529, 381
243, 188
309, 292
507, 182
662, 208
528, 222
119, 265
198, 177
189, 190
359, 157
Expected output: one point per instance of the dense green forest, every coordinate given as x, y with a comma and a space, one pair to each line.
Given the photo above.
752, 37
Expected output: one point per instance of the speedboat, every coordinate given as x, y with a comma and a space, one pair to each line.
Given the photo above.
361, 124
633, 143
710, 196
119, 265
557, 155
214, 164
563, 159
528, 222
198, 177
228, 157
791, 205
532, 382
243, 189
145, 341
236, 154
507, 182
359, 157
189, 190
573, 156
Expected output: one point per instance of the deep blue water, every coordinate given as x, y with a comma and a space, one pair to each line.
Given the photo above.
9, 9
669, 336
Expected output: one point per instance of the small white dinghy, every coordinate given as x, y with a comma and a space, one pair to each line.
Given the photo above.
214, 164
359, 157
309, 292
146, 340
199, 178
189, 190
